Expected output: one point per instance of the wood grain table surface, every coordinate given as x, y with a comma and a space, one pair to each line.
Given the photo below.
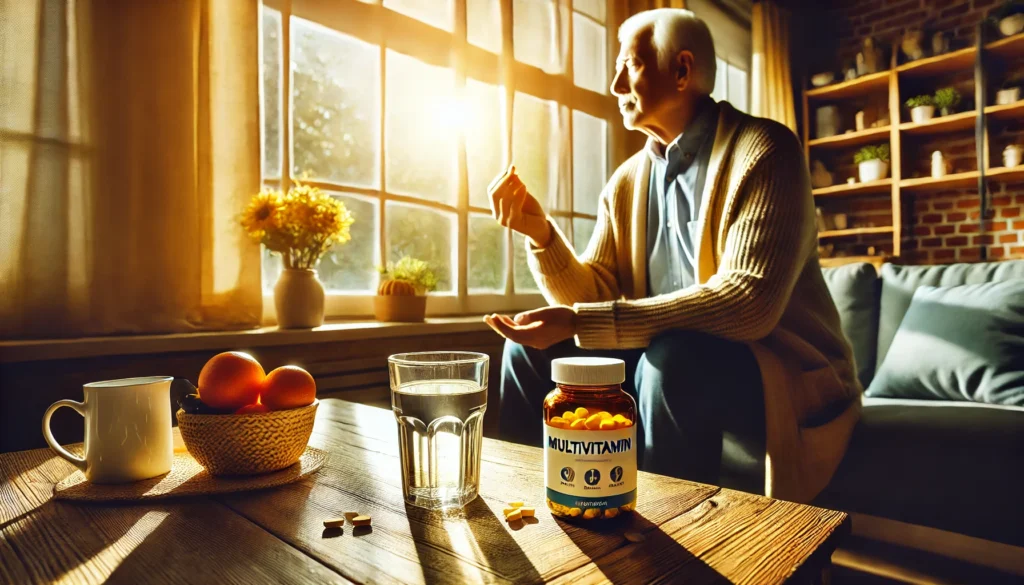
693, 533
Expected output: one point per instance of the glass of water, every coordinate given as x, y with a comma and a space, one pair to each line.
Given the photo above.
439, 399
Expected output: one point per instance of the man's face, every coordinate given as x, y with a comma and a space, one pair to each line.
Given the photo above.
643, 89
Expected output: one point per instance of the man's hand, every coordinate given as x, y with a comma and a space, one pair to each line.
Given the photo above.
514, 207
540, 328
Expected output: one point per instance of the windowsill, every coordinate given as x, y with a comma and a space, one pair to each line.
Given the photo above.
86, 347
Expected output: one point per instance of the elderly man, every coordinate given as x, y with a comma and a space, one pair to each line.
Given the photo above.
702, 274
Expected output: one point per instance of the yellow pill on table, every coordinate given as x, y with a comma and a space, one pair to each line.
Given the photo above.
559, 422
578, 424
607, 425
361, 521
527, 512
582, 412
568, 416
509, 510
575, 512
591, 513
517, 504
334, 523
605, 415
515, 515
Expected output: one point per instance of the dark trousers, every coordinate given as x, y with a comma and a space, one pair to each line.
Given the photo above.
691, 390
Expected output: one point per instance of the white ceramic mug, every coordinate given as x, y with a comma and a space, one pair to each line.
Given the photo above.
127, 429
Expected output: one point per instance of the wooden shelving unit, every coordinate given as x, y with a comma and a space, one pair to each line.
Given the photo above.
961, 60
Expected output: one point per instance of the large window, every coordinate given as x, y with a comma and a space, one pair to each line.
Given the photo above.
406, 109
732, 85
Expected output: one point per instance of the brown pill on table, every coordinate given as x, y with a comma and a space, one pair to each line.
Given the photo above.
334, 523
361, 521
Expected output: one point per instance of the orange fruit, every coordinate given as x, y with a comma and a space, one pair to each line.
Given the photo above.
231, 380
253, 408
288, 387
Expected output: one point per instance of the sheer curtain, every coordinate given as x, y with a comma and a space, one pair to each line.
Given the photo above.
129, 142
771, 81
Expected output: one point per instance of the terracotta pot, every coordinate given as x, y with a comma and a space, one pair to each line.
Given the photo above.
299, 298
400, 308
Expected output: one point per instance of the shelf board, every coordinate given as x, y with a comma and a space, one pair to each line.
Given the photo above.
1008, 174
851, 138
841, 260
845, 189
854, 87
951, 181
1006, 111
1008, 47
953, 61
856, 232
950, 123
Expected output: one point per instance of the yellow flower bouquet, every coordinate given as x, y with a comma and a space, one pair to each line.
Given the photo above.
300, 225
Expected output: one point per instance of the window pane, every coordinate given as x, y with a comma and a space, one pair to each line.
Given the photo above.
484, 141
589, 155
336, 112
563, 224
589, 59
421, 119
272, 266
582, 229
353, 266
483, 19
522, 277
486, 251
271, 93
535, 140
533, 34
424, 234
738, 88
720, 80
592, 8
438, 13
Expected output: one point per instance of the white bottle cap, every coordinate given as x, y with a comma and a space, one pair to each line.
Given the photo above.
588, 371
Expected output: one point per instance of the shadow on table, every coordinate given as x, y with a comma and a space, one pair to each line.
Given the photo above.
485, 536
656, 556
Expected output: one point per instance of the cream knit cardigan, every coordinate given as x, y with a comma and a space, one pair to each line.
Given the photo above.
758, 282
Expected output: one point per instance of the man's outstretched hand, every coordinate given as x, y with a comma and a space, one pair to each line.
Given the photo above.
540, 328
514, 207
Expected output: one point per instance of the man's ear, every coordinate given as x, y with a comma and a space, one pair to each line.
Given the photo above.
683, 65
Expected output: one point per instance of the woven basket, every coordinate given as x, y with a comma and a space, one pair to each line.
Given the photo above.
247, 444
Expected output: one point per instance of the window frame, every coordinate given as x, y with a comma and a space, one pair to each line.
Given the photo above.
387, 30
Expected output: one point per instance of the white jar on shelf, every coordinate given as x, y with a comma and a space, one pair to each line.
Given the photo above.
1012, 155
873, 170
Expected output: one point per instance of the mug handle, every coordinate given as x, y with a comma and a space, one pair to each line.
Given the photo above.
78, 407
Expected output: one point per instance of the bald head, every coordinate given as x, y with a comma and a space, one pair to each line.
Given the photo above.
671, 31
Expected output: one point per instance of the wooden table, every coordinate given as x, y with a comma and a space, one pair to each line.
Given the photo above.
694, 533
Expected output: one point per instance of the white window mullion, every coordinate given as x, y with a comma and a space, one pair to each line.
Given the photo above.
462, 237
286, 94
507, 66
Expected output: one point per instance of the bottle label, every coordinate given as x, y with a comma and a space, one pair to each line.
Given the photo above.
590, 469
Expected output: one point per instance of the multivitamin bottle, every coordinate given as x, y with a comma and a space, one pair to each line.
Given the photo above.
589, 440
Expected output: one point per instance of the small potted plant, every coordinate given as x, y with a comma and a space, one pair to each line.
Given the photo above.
872, 162
922, 108
402, 294
300, 226
947, 99
1009, 92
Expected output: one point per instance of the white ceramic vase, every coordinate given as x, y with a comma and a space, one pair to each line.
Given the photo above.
1007, 96
299, 299
1012, 155
922, 114
872, 170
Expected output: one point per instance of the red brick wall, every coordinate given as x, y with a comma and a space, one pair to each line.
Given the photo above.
939, 227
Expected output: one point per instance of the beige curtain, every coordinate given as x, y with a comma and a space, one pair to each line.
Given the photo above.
129, 142
771, 89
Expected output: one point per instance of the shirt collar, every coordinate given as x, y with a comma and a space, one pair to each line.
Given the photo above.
685, 146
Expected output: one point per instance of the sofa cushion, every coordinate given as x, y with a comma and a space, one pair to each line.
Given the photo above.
958, 343
950, 465
900, 282
854, 289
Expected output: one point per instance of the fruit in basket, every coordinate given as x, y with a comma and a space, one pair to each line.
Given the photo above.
288, 387
231, 380
253, 408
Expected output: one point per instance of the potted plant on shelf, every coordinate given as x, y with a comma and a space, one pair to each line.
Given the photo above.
922, 108
402, 294
300, 226
947, 99
872, 162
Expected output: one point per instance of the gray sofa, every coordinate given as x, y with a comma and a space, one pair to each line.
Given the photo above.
955, 466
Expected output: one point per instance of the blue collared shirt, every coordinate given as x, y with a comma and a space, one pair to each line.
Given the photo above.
678, 172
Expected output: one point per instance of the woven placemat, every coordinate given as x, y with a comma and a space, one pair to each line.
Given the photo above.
186, 478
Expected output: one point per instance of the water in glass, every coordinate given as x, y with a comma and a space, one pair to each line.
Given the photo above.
439, 399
